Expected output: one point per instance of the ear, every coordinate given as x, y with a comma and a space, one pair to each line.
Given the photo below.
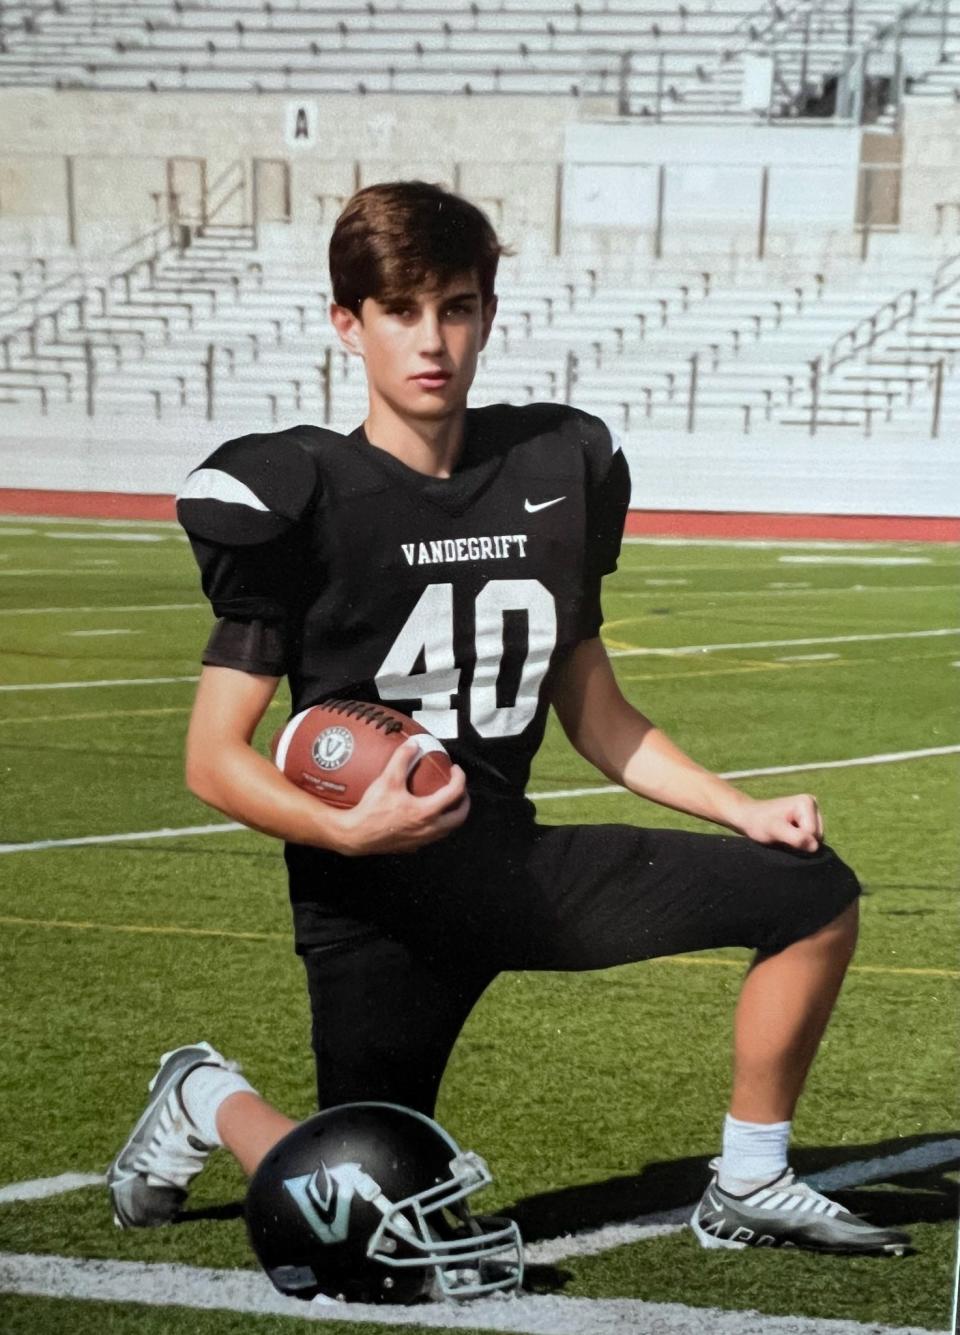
489, 311
349, 328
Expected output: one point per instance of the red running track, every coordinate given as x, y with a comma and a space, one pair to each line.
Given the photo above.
649, 523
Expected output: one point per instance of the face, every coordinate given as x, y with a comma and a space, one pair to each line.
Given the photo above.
420, 353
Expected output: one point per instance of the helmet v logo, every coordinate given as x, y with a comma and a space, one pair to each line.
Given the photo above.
324, 1198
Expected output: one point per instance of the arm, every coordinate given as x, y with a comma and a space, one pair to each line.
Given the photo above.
224, 770
630, 750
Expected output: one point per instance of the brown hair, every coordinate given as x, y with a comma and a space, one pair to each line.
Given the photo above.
399, 237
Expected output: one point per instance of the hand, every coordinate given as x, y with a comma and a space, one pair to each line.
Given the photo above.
794, 821
390, 819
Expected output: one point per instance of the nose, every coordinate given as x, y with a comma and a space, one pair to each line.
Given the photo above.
431, 332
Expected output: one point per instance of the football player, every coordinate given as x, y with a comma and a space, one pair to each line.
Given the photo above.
447, 561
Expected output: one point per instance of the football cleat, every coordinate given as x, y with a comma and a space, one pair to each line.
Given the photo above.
787, 1213
150, 1177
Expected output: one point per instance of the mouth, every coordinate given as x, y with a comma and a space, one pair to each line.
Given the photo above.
432, 379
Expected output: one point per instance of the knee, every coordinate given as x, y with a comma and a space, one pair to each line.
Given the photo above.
840, 934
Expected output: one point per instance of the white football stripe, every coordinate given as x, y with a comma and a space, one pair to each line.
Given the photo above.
286, 737
427, 743
212, 484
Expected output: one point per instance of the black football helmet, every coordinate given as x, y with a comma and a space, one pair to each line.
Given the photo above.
367, 1202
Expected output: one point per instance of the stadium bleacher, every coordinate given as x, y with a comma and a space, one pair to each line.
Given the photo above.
671, 62
211, 331
202, 324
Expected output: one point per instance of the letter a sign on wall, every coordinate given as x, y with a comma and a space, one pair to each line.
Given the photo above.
301, 124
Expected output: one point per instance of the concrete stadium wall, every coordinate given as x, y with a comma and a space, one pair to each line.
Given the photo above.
779, 473
931, 164
120, 144
551, 173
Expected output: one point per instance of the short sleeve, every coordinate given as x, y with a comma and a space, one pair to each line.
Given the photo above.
243, 510
608, 499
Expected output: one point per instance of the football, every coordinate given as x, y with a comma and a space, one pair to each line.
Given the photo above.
337, 748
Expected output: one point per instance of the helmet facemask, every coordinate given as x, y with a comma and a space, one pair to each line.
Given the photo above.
434, 1229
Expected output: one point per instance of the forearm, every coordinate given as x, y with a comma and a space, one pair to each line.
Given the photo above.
244, 785
658, 770
630, 750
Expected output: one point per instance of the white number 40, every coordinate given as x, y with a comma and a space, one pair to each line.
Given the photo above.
427, 636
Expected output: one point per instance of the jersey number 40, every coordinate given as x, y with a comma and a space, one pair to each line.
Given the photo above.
426, 641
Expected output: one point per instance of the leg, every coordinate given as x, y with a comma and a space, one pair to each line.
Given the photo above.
385, 1018
615, 894
784, 1006
249, 1128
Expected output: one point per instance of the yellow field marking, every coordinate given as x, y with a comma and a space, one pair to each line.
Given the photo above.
144, 929
751, 665
854, 968
704, 961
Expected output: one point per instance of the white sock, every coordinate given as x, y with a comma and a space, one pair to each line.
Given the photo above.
753, 1153
202, 1092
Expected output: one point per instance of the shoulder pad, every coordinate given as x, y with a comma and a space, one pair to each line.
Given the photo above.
250, 490
599, 441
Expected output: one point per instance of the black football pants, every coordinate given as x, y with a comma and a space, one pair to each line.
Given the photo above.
420, 937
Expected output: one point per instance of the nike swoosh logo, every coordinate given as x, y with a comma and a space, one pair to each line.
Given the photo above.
532, 509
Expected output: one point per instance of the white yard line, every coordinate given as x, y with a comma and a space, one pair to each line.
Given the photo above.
82, 685
103, 607
884, 758
785, 644
825, 544
249, 1291
183, 831
808, 591
42, 570
42, 1187
118, 630
856, 560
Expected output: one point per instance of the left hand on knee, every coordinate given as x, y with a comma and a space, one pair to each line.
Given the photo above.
794, 821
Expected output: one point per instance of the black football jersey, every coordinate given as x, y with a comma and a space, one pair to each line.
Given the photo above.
452, 599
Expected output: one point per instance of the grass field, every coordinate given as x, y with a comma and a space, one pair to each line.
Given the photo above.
596, 1098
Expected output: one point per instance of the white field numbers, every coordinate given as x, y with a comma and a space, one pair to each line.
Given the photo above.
427, 635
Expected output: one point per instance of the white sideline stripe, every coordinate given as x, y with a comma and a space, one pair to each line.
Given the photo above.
110, 537
81, 685
826, 544
42, 1187
55, 520
856, 560
102, 607
166, 1285
782, 644
590, 1242
805, 658
807, 591
119, 630
887, 758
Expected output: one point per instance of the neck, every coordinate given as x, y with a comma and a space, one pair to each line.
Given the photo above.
430, 446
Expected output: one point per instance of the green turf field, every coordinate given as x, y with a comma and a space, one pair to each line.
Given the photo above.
596, 1098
